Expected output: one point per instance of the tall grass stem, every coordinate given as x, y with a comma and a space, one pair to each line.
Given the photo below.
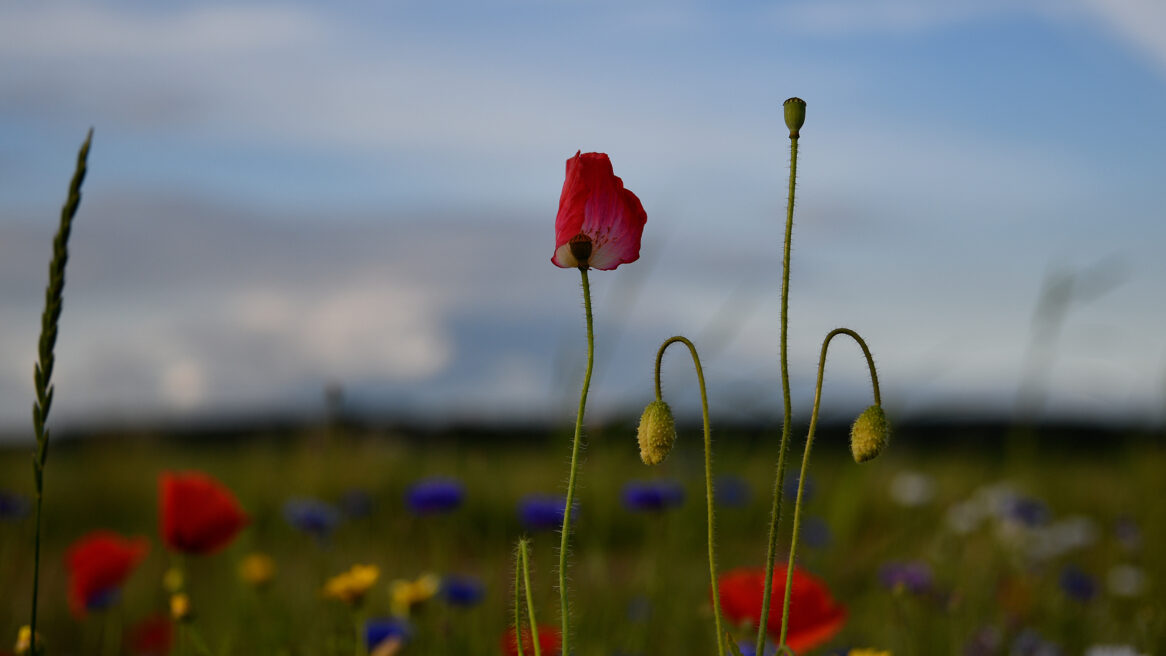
43, 369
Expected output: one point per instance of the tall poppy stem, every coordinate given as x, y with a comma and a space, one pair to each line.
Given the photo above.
43, 370
787, 405
874, 379
564, 609
708, 476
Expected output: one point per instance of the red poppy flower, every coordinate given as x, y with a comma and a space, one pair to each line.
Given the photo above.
814, 616
199, 515
549, 641
98, 565
599, 222
153, 636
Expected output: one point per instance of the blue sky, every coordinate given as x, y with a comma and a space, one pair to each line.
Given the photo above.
283, 195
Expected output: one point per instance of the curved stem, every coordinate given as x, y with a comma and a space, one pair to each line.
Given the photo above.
874, 379
787, 411
522, 553
708, 476
566, 532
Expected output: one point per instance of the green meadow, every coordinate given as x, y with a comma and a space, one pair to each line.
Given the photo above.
639, 579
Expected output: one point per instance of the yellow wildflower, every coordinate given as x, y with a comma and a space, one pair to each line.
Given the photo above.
24, 640
257, 570
351, 586
179, 606
406, 594
173, 580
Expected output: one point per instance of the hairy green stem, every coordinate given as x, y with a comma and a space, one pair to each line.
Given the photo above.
43, 370
708, 476
787, 405
566, 532
518, 597
874, 379
523, 546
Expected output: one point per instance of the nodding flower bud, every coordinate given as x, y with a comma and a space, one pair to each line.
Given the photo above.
656, 433
580, 246
869, 434
795, 115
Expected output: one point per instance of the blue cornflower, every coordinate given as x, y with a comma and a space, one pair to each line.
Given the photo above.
913, 576
984, 642
540, 512
13, 506
653, 496
1077, 584
1030, 643
815, 533
790, 488
312, 516
731, 491
434, 495
462, 590
378, 631
1028, 511
103, 599
749, 648
639, 608
1127, 532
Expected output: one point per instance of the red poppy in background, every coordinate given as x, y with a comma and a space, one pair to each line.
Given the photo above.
199, 514
814, 616
98, 564
550, 641
153, 636
599, 222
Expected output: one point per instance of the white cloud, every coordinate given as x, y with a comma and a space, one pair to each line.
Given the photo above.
360, 329
1142, 23
840, 17
1139, 23
82, 29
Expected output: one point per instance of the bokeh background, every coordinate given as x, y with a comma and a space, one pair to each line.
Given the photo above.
289, 196
315, 240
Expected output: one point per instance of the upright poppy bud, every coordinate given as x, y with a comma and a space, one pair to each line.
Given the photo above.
869, 434
795, 116
656, 433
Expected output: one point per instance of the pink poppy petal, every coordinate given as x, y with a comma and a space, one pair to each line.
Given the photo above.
595, 203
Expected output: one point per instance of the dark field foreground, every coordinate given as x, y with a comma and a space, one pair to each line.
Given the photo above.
944, 550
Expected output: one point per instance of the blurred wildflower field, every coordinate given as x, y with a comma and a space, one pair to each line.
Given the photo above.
943, 550
342, 541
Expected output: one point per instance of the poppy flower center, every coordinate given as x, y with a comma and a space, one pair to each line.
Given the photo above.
580, 246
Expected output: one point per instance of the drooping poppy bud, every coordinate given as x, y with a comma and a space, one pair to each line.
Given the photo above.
656, 433
869, 434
